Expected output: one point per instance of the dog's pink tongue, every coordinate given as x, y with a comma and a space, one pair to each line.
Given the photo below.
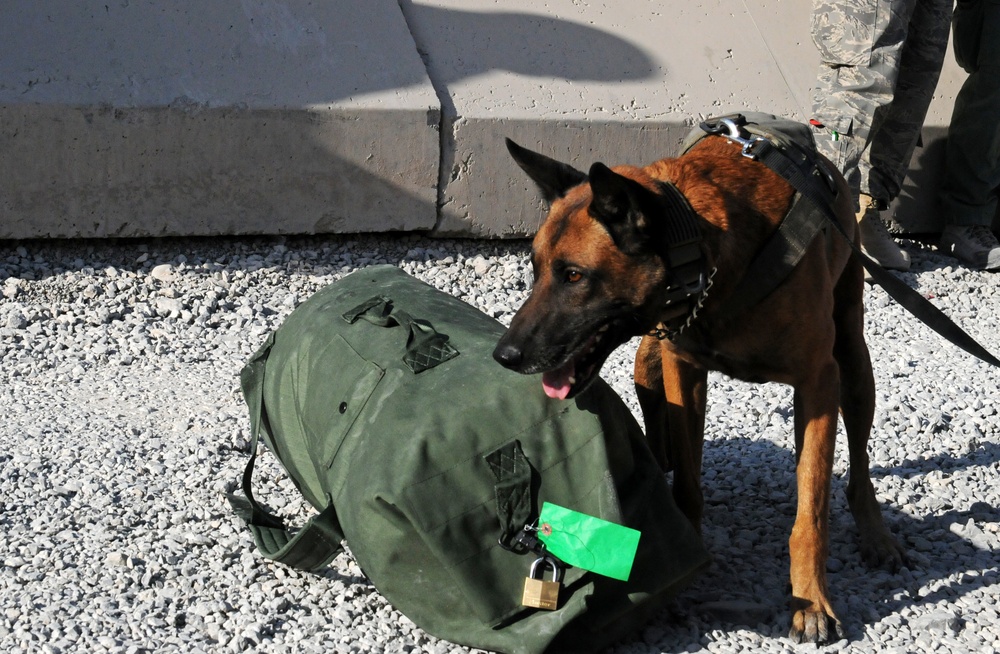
556, 382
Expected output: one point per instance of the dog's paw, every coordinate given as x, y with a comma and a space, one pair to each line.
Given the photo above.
883, 552
815, 625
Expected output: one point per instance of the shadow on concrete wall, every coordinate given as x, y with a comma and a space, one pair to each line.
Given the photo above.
159, 130
457, 45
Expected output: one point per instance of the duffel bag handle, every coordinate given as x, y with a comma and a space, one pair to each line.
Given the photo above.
318, 542
425, 346
312, 547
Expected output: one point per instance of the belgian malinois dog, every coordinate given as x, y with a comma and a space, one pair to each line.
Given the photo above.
603, 274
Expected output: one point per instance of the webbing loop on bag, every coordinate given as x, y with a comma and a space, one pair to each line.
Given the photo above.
425, 346
312, 547
512, 489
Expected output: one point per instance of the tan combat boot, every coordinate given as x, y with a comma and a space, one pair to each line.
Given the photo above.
875, 239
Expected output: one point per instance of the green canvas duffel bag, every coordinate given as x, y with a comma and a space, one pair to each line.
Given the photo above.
380, 398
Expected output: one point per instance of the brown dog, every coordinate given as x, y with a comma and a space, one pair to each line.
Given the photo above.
602, 276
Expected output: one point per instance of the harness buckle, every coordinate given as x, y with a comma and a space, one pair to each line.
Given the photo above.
747, 145
684, 289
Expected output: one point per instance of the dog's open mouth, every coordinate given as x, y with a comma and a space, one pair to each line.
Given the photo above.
577, 372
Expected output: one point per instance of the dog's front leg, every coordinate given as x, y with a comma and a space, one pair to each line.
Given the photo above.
648, 378
816, 403
684, 388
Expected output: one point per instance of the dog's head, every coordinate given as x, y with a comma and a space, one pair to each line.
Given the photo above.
597, 272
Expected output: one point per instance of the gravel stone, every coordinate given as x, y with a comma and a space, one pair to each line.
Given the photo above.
124, 427
939, 622
16, 319
163, 272
738, 612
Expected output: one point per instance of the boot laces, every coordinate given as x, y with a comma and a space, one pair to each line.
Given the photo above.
876, 222
983, 236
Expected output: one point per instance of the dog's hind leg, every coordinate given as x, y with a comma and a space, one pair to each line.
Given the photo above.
671, 393
857, 406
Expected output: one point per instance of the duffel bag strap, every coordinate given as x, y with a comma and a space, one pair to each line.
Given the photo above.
313, 546
512, 489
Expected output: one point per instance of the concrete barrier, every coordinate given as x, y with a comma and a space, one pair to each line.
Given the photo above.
213, 117
263, 116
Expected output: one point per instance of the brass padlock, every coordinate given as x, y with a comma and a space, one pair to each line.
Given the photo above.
541, 594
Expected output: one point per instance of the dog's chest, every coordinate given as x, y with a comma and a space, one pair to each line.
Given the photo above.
748, 368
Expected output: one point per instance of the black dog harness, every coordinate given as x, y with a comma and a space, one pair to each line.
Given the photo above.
773, 142
691, 280
795, 152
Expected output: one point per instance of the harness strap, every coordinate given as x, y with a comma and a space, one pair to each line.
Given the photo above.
777, 258
786, 246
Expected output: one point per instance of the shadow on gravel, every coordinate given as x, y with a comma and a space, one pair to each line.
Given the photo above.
984, 455
749, 487
39, 259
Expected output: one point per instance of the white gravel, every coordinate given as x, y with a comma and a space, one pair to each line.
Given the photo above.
122, 426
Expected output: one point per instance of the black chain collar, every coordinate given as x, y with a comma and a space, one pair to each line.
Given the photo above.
673, 327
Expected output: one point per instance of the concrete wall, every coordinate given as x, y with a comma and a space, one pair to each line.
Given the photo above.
213, 117
260, 116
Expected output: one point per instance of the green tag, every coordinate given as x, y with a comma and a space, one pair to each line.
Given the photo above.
588, 542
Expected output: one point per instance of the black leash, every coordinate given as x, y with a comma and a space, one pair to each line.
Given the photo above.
804, 180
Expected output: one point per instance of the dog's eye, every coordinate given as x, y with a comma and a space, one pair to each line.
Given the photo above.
573, 276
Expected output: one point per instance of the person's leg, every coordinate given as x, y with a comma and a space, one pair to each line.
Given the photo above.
886, 161
972, 153
861, 45
972, 156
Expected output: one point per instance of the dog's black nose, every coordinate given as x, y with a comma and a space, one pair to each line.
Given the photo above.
507, 355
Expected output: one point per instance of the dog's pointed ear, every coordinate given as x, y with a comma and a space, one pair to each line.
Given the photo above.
622, 205
552, 177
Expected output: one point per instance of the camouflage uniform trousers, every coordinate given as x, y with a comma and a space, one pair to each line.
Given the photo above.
881, 60
972, 152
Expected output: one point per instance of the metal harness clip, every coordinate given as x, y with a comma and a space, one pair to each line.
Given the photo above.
747, 144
